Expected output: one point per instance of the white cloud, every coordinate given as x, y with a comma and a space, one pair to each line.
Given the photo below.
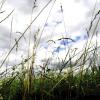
74, 16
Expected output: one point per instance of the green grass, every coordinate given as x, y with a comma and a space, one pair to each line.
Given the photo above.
51, 87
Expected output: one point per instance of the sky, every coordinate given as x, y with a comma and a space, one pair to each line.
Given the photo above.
61, 18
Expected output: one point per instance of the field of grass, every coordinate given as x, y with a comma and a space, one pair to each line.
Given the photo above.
81, 81
49, 86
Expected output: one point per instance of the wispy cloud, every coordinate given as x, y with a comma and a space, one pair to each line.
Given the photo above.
71, 23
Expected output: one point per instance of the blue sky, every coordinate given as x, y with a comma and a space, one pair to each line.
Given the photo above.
71, 23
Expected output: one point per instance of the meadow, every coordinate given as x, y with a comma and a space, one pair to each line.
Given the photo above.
81, 81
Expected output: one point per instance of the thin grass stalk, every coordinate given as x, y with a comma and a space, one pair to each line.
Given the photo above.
24, 33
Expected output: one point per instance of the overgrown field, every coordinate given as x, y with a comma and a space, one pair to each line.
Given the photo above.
76, 77
51, 87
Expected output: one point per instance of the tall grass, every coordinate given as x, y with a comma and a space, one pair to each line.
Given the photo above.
81, 79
